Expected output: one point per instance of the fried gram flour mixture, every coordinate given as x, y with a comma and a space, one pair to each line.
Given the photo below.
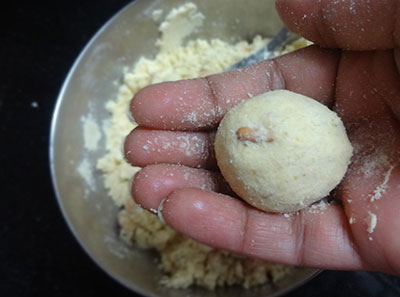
183, 261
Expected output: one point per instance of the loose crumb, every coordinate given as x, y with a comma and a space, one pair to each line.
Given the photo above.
371, 221
85, 170
91, 133
318, 206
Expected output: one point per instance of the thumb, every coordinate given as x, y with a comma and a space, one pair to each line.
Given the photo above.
346, 24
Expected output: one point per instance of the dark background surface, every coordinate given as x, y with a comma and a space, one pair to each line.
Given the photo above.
38, 254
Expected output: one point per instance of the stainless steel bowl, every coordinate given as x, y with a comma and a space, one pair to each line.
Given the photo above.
91, 215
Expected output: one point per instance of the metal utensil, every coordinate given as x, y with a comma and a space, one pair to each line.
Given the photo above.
277, 43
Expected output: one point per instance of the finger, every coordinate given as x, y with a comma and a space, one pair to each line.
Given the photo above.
201, 103
370, 193
194, 149
347, 24
311, 238
367, 84
155, 182
366, 101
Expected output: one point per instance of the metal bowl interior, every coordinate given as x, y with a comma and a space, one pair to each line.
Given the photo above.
91, 214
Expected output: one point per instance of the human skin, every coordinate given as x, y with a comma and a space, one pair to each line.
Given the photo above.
354, 69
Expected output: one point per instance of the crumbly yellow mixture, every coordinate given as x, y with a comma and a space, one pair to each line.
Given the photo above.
184, 261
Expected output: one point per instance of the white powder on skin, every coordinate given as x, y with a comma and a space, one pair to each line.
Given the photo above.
381, 189
371, 221
373, 164
184, 261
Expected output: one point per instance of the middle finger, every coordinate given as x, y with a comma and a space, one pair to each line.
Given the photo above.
193, 149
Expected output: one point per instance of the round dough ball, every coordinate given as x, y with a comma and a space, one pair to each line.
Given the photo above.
281, 151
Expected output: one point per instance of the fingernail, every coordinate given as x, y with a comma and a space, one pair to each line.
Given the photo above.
125, 154
129, 115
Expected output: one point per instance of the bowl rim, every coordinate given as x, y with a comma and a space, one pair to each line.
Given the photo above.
52, 135
53, 128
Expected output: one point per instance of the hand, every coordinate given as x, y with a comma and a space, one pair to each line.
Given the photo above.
361, 83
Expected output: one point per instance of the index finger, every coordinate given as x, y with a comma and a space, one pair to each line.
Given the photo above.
347, 24
199, 104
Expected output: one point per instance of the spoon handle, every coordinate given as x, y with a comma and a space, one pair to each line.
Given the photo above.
268, 51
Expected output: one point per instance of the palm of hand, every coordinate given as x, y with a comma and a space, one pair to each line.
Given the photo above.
177, 120
361, 87
366, 93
